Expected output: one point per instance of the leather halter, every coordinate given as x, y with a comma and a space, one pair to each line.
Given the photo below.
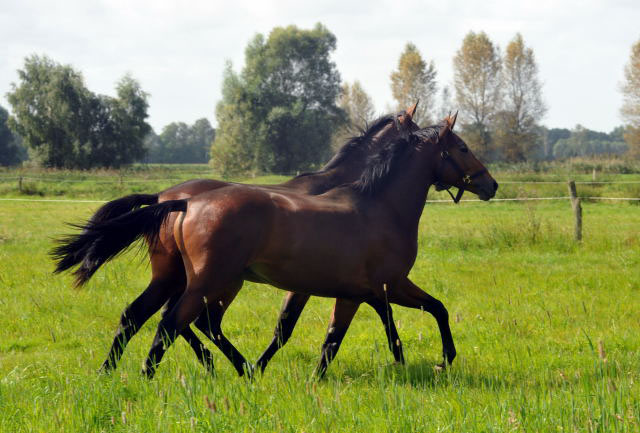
466, 178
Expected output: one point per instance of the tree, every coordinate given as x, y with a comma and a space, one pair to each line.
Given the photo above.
445, 106
357, 105
66, 125
631, 105
517, 122
51, 109
233, 150
11, 151
180, 143
585, 142
415, 80
279, 113
476, 79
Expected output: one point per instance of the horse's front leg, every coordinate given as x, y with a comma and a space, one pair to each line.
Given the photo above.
343, 312
292, 306
407, 294
393, 339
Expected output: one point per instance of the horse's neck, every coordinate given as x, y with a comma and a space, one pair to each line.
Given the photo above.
406, 193
348, 171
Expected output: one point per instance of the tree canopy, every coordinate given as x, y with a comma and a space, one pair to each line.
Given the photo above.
279, 113
67, 126
357, 105
477, 82
631, 106
11, 151
522, 107
415, 80
585, 142
180, 143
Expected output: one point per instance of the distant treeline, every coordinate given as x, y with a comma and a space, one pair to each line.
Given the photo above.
179, 143
287, 109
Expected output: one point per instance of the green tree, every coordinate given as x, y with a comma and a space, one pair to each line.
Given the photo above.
279, 113
585, 142
415, 80
66, 125
476, 80
631, 105
180, 143
357, 105
11, 151
516, 132
51, 108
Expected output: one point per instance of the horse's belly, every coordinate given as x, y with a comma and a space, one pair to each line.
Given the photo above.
313, 279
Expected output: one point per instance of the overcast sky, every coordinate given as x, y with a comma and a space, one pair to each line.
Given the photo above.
177, 49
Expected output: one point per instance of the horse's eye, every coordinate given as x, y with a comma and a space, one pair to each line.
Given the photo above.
464, 149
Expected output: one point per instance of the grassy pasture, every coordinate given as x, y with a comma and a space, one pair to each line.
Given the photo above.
547, 331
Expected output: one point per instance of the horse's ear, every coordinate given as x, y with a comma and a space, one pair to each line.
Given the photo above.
445, 126
453, 120
411, 111
403, 124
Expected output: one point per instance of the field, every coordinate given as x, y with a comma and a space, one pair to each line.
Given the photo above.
547, 330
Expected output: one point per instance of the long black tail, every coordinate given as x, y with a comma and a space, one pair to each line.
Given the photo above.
101, 241
121, 206
108, 211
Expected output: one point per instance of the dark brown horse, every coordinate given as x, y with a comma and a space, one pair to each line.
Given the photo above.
168, 274
356, 243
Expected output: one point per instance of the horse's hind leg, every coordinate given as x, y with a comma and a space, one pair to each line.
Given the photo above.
191, 304
386, 315
188, 307
292, 306
202, 353
134, 316
405, 293
209, 322
343, 312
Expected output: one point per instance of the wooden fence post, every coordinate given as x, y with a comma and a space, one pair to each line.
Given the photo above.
577, 211
20, 183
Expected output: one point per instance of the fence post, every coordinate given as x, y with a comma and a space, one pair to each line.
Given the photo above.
20, 184
577, 211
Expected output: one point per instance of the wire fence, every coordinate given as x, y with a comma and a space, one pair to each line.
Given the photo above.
167, 179
118, 180
121, 180
45, 200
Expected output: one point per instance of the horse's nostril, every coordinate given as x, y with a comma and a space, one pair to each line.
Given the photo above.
495, 185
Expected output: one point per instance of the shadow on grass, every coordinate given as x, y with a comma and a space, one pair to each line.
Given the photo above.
424, 374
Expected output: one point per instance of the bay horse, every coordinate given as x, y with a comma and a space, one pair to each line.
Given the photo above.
356, 243
168, 274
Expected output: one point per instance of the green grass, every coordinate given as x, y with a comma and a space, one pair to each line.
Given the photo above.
547, 331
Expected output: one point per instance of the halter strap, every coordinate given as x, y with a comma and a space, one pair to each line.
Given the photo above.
466, 178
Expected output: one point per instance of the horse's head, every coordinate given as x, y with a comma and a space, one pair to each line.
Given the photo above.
457, 166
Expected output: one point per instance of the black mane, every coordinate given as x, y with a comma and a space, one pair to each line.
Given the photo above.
356, 142
381, 167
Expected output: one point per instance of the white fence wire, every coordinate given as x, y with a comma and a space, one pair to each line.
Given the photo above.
516, 199
44, 200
